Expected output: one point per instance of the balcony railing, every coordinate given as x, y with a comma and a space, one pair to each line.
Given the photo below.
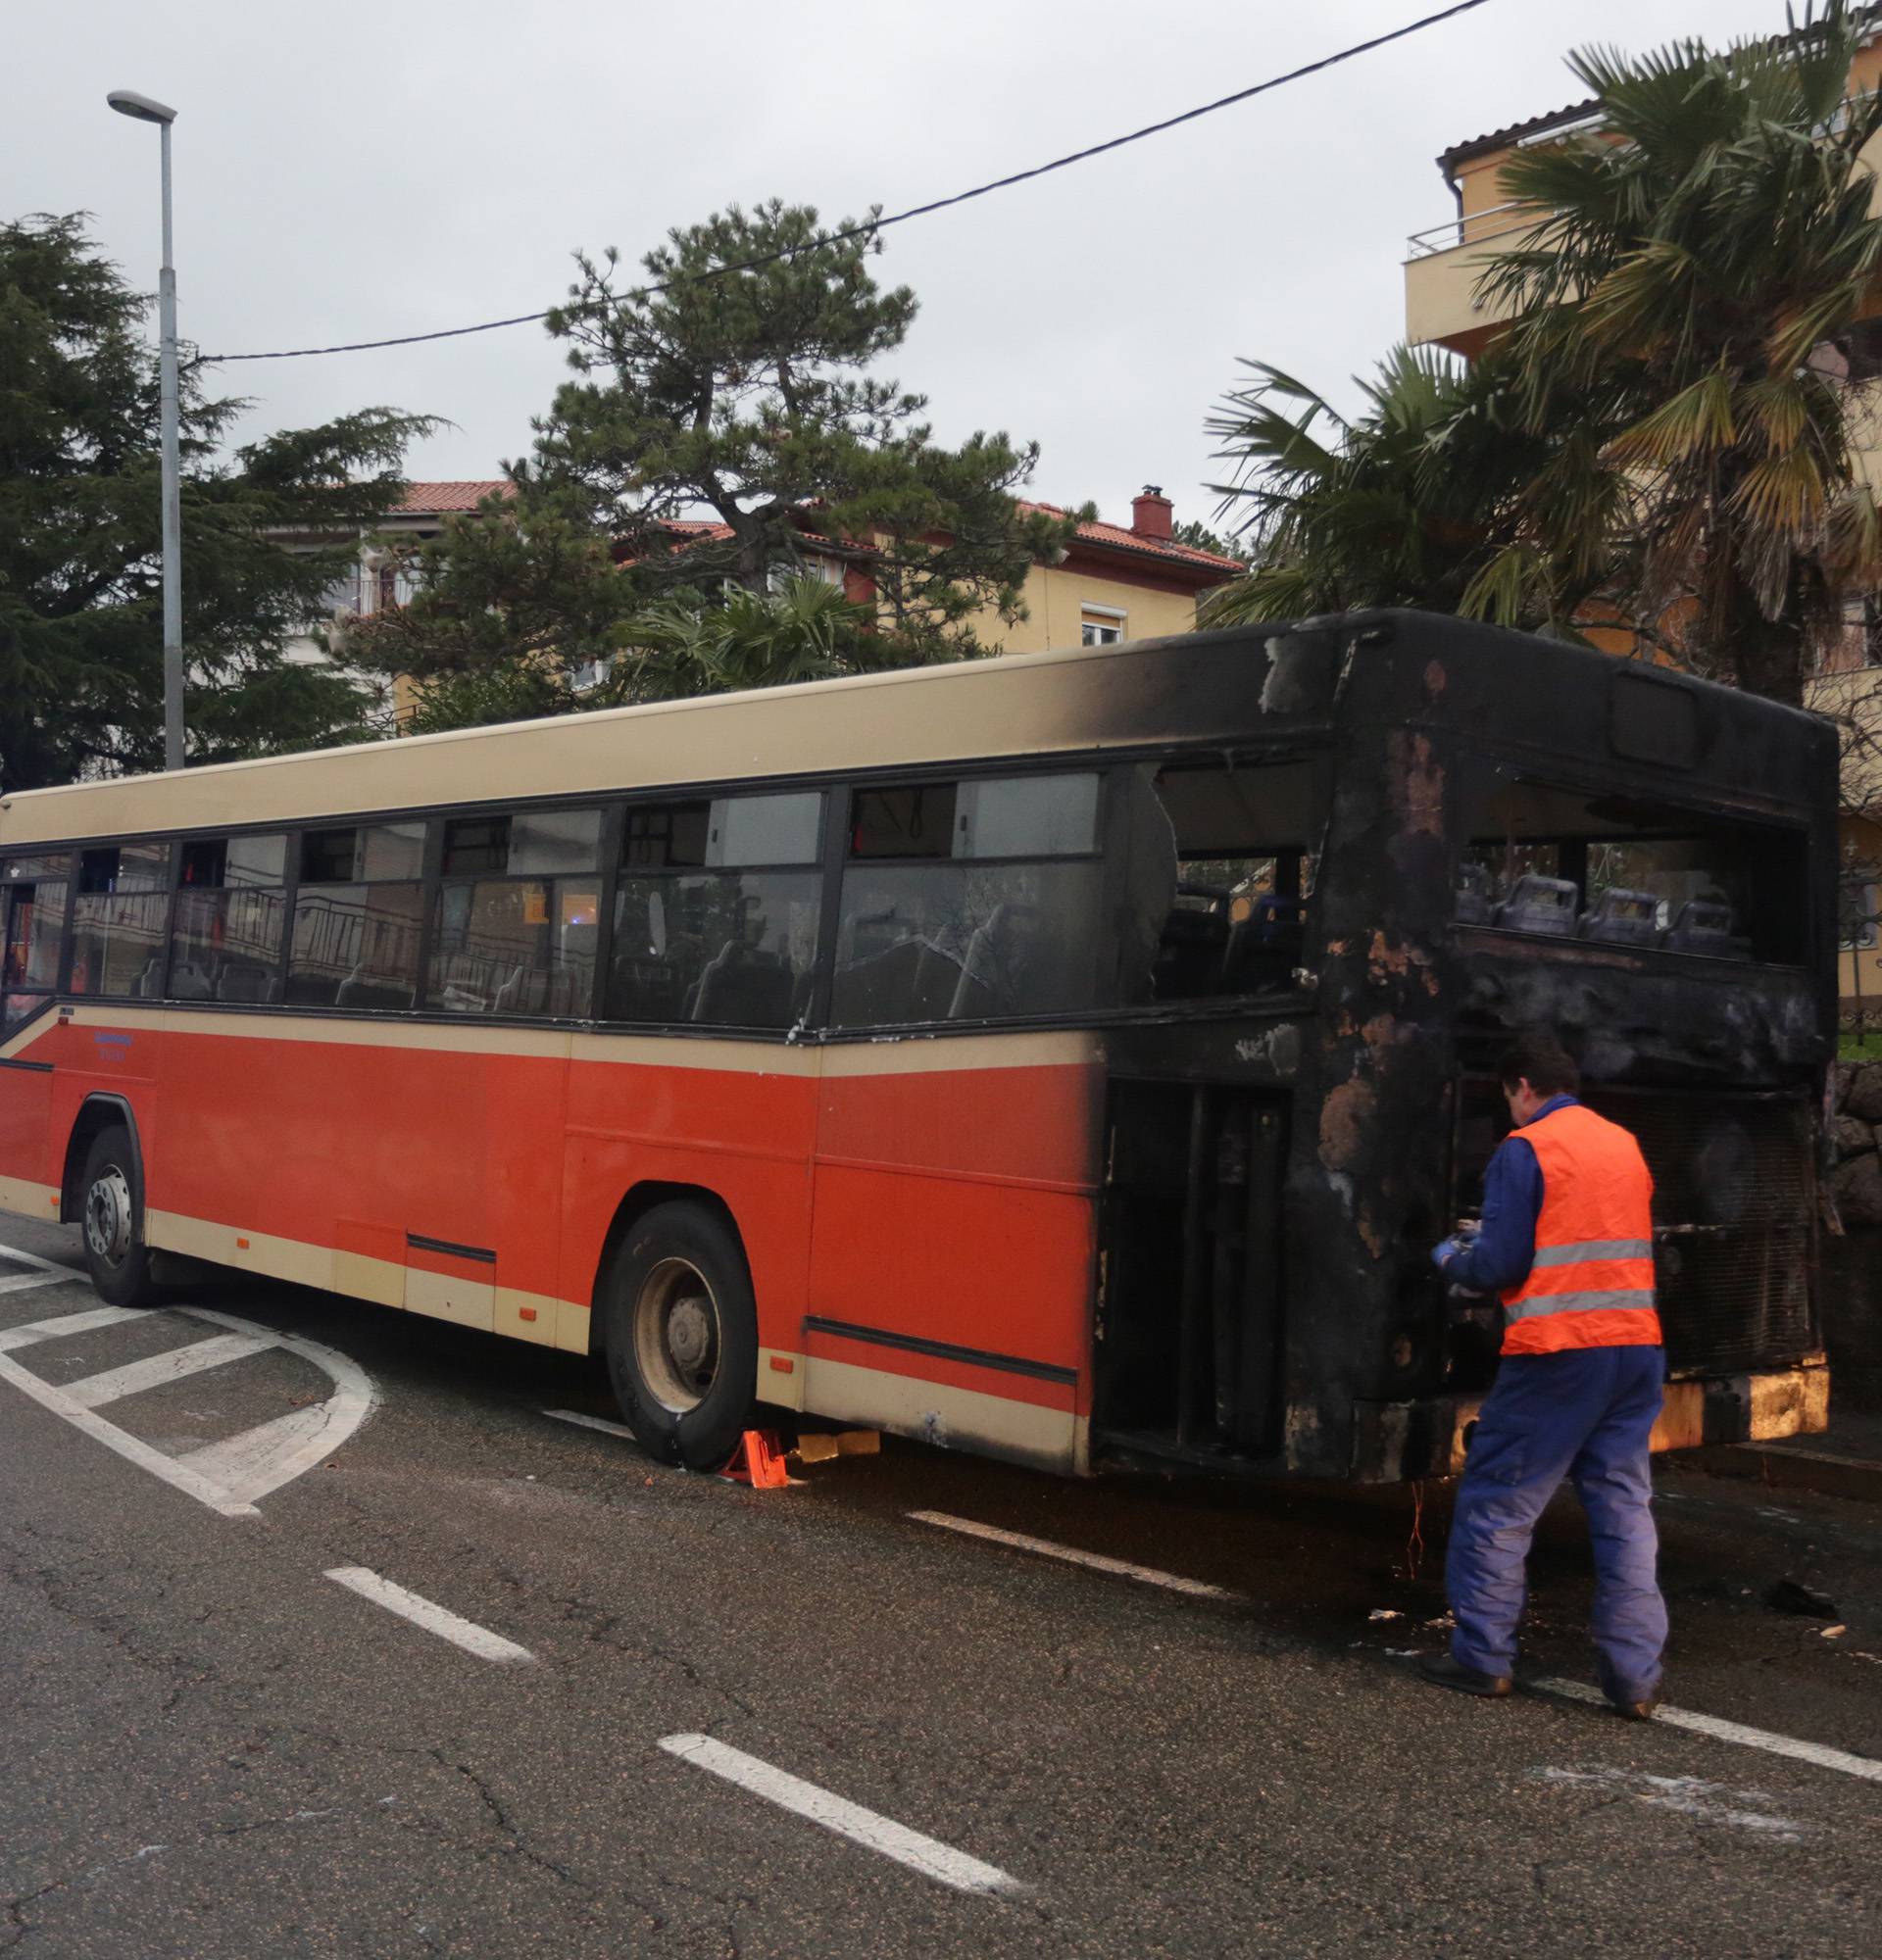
1475, 229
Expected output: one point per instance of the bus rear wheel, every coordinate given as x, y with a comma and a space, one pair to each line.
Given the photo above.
115, 1255
680, 1325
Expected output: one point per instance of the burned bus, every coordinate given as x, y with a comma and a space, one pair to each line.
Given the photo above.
1068, 1057
1504, 834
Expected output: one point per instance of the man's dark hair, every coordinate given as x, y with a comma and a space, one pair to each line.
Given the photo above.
1541, 1061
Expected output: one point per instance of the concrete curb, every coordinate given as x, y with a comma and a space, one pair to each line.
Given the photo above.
1783, 1466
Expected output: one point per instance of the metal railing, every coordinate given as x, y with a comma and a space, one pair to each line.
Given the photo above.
1463, 230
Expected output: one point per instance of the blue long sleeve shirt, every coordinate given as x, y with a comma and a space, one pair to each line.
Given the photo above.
1505, 1247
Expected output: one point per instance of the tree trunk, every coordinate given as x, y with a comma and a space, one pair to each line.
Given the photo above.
1767, 656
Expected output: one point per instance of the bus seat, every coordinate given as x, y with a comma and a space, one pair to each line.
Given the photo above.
1266, 946
189, 982
1622, 918
150, 979
508, 997
358, 992
743, 988
1473, 905
1540, 905
244, 980
1190, 954
1706, 925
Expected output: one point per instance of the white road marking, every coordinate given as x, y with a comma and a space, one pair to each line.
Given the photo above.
26, 1282
155, 1370
1692, 1796
33, 1260
1869, 1768
465, 1634
127, 1446
56, 1329
1116, 1568
253, 1462
353, 1400
926, 1855
592, 1422
230, 1476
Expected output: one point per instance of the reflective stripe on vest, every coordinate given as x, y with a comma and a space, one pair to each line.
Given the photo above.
1591, 1284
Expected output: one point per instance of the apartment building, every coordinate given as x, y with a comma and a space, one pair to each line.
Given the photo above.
1443, 308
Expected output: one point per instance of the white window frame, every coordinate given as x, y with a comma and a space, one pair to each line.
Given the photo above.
1101, 625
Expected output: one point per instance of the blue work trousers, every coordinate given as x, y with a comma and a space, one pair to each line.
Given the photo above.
1584, 1414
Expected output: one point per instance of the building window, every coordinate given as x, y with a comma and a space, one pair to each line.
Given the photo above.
1101, 625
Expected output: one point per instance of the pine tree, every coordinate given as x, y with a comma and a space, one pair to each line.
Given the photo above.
744, 394
81, 587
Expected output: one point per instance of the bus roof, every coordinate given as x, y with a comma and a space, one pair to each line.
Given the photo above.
1185, 687
1189, 688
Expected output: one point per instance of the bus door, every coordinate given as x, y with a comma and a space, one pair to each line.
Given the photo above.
1190, 1347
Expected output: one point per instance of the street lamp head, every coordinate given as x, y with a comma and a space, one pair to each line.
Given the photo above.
127, 102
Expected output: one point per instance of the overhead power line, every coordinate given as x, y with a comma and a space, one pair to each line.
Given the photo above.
877, 225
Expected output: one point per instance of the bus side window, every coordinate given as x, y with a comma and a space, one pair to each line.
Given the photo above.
1236, 838
34, 893
717, 912
357, 917
517, 914
994, 910
118, 919
227, 941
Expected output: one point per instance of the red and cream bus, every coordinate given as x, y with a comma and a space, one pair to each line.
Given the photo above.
1067, 1057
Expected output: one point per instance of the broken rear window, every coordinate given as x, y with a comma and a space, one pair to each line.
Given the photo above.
1626, 870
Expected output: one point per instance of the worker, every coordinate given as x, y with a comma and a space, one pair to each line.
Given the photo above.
1566, 1239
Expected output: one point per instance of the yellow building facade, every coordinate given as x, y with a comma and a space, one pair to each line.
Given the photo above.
1443, 308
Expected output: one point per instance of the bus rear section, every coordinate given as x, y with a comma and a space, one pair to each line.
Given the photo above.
1513, 836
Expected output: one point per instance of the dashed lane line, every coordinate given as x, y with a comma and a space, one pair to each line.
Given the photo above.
591, 1422
876, 1833
434, 1619
156, 1371
1866, 1767
1116, 1568
1869, 1768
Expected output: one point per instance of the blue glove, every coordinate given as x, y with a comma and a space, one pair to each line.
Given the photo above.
1442, 1254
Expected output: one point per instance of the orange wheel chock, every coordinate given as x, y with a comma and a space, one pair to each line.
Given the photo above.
759, 1460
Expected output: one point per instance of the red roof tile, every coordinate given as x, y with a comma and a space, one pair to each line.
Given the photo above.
422, 499
1107, 537
1119, 537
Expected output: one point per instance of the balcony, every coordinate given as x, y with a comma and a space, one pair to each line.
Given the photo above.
1442, 268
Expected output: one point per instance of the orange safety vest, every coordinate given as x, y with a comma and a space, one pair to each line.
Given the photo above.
1592, 1283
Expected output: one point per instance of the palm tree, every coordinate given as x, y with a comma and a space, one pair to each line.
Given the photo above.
805, 631
1688, 303
1667, 436
1403, 505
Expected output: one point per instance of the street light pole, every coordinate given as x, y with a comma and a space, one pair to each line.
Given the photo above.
128, 103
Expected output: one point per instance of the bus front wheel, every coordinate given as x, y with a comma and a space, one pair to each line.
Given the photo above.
681, 1331
115, 1255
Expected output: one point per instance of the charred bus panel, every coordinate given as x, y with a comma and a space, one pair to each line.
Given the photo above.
1504, 834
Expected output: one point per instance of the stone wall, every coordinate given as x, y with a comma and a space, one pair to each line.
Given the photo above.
1851, 1265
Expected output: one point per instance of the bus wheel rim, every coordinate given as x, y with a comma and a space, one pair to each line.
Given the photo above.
108, 1217
676, 1336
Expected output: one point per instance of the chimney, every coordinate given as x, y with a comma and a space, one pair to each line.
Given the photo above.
1149, 514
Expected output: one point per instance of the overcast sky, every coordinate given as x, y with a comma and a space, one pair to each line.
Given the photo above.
350, 171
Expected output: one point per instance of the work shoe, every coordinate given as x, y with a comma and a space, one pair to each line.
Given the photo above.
1637, 1711
1447, 1670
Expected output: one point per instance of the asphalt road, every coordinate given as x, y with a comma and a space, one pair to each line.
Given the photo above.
211, 1747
